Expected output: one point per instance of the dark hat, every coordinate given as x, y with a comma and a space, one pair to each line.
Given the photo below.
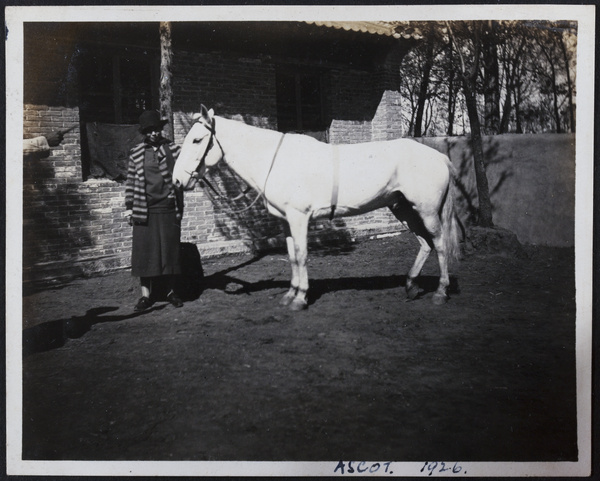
151, 119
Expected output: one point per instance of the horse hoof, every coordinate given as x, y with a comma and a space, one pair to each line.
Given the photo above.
412, 292
286, 300
298, 305
439, 299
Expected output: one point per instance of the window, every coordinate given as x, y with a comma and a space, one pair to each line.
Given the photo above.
116, 87
300, 101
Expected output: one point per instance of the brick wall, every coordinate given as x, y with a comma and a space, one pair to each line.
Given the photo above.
74, 228
70, 227
244, 89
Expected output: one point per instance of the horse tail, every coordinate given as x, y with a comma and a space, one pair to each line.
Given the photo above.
449, 219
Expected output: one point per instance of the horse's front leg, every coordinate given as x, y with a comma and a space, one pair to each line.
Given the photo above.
296, 297
291, 293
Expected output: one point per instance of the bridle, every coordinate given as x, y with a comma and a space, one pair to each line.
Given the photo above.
202, 163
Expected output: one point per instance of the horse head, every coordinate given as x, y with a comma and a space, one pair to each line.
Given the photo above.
197, 153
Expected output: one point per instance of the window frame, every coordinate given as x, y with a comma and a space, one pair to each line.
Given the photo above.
116, 94
299, 104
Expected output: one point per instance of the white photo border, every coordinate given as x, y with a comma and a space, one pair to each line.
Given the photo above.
16, 16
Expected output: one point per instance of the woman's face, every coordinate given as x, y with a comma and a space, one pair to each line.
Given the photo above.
153, 134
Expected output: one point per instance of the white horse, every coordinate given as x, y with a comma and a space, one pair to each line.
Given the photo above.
301, 178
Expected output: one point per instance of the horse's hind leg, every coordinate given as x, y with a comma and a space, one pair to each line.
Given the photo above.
428, 229
296, 297
412, 289
405, 213
433, 225
440, 296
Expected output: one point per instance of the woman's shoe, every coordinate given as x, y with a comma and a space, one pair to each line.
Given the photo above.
143, 304
174, 299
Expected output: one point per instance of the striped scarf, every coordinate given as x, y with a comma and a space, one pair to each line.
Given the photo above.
135, 187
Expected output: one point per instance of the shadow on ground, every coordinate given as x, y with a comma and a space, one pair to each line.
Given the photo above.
53, 334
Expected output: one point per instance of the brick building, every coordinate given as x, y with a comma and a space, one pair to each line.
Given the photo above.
337, 82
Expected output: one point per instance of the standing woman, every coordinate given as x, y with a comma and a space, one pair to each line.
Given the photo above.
154, 208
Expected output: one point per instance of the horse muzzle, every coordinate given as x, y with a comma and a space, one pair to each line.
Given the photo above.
192, 179
189, 184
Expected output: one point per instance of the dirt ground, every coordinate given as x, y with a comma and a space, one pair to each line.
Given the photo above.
361, 374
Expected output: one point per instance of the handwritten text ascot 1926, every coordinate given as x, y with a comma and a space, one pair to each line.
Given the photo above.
363, 468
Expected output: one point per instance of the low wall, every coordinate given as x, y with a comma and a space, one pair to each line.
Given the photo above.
531, 179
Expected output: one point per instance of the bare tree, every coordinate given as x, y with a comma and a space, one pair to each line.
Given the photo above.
551, 67
452, 91
519, 77
567, 53
491, 77
470, 40
512, 48
423, 80
424, 87
552, 86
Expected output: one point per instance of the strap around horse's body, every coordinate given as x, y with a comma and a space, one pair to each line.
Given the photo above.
264, 192
336, 180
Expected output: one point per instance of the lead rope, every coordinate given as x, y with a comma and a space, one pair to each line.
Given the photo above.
259, 195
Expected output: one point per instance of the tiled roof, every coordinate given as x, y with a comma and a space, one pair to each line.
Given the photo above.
388, 29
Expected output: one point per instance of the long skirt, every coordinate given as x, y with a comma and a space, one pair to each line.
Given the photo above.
155, 246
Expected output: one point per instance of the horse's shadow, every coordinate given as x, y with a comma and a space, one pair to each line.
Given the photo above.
320, 287
53, 334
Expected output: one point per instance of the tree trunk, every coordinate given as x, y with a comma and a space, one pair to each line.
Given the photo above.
512, 82
569, 84
491, 79
555, 100
483, 190
166, 88
506, 112
469, 83
423, 90
547, 51
451, 96
517, 95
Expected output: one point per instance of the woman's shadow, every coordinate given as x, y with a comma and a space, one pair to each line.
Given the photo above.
53, 334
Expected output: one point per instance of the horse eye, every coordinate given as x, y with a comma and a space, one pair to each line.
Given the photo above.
197, 141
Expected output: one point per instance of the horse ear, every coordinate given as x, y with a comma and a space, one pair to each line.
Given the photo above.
196, 117
203, 110
204, 114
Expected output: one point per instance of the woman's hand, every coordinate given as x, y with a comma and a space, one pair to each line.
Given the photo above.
128, 215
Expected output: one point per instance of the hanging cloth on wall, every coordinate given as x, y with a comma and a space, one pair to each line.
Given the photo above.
109, 146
